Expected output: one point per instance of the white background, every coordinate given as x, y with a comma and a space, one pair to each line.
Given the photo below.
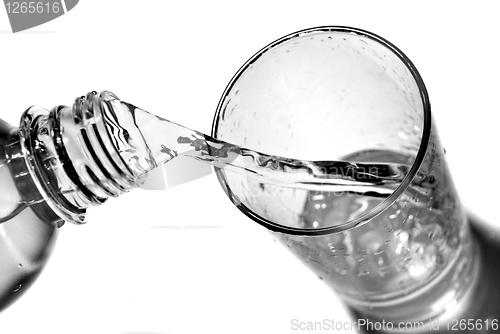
116, 274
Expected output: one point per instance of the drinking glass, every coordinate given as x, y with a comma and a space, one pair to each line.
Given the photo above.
344, 94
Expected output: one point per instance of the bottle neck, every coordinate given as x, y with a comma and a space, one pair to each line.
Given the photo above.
71, 156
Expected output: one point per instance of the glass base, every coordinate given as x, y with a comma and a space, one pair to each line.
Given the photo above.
478, 311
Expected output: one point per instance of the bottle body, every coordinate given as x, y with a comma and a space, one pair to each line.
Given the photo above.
55, 167
28, 227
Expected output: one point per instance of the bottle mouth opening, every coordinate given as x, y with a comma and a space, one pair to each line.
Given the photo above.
72, 157
369, 215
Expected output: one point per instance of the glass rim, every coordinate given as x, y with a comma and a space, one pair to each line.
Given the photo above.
366, 217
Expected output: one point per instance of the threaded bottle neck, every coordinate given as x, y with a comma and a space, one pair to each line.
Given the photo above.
72, 156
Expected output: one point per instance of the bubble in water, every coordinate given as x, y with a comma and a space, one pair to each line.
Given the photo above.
382, 271
363, 273
403, 286
20, 265
17, 288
